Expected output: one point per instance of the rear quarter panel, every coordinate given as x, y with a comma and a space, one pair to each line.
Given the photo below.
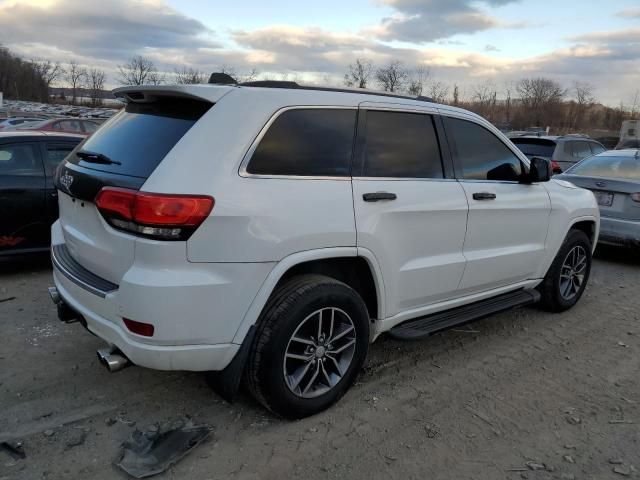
254, 219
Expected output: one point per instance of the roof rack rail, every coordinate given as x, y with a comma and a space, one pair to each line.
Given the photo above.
576, 135
224, 79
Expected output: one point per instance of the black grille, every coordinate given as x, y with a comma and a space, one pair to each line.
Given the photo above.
79, 275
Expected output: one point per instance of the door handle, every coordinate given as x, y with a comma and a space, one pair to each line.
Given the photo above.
484, 196
377, 196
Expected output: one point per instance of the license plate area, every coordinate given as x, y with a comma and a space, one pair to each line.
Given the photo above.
604, 199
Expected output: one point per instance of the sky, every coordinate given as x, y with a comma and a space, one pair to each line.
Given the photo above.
470, 43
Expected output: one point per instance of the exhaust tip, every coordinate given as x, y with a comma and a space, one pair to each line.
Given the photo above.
113, 359
55, 296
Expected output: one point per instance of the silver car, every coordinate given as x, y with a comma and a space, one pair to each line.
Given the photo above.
614, 179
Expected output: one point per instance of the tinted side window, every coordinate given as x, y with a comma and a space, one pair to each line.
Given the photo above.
306, 142
90, 126
596, 149
20, 159
56, 153
401, 145
482, 155
581, 149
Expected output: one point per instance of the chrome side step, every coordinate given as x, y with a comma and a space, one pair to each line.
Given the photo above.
424, 326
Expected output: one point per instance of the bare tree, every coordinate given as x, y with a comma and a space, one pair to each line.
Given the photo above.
584, 98
540, 97
392, 77
456, 95
359, 73
189, 76
485, 98
96, 86
438, 92
139, 70
49, 71
76, 77
417, 80
250, 76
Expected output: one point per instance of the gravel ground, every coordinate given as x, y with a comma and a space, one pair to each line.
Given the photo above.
523, 394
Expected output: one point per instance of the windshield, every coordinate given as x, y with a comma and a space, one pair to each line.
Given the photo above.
532, 147
627, 168
137, 139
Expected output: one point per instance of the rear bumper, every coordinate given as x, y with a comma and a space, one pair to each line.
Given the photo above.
195, 308
158, 357
614, 231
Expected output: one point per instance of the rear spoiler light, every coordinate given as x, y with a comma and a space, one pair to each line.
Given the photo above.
154, 215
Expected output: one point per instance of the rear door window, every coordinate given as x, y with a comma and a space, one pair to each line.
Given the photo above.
596, 148
581, 150
55, 154
480, 154
20, 159
141, 135
403, 145
306, 142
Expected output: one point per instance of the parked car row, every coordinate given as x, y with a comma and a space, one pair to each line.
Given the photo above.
28, 198
50, 109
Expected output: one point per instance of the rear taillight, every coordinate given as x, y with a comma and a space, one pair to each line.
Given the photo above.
635, 197
155, 215
555, 167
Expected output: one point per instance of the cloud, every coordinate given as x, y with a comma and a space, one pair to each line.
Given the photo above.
491, 48
92, 28
629, 13
423, 21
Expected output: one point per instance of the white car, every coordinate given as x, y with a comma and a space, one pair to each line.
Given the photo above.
270, 232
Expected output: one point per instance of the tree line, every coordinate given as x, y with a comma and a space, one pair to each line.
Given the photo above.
528, 102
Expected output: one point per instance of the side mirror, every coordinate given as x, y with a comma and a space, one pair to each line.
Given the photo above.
539, 170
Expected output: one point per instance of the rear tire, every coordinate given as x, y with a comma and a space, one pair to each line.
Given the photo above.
311, 341
567, 278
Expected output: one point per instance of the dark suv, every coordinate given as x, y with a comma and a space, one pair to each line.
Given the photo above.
563, 151
28, 199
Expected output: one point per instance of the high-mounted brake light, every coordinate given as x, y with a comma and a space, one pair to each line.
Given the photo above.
156, 215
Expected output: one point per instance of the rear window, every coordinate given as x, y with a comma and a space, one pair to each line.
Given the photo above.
613, 167
535, 148
306, 142
141, 135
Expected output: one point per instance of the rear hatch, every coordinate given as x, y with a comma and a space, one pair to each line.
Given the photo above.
122, 153
615, 182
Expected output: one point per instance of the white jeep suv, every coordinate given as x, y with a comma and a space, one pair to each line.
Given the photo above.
270, 232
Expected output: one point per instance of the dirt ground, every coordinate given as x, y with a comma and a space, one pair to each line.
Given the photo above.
523, 394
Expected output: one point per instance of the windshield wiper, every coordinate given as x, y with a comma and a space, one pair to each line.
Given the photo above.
95, 157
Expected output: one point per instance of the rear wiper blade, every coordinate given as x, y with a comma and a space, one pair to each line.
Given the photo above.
95, 157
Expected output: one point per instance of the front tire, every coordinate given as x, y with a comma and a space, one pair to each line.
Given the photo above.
568, 275
311, 342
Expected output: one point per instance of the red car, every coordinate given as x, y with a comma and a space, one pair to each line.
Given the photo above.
64, 125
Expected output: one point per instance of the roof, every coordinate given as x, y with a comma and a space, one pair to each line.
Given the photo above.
37, 133
627, 152
283, 95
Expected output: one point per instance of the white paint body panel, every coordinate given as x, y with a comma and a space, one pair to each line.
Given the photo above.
203, 295
416, 238
505, 240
